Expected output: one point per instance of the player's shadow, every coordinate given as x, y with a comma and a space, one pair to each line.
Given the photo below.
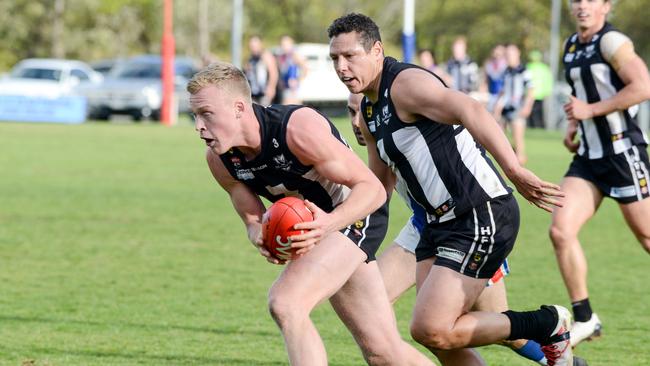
162, 327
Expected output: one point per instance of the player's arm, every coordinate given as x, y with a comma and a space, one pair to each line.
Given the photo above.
376, 165
631, 70
247, 204
274, 76
529, 98
310, 139
416, 93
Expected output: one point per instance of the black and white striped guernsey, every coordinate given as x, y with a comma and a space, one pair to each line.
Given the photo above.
276, 172
446, 171
593, 79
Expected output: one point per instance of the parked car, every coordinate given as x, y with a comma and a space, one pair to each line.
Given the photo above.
50, 78
134, 87
321, 86
105, 66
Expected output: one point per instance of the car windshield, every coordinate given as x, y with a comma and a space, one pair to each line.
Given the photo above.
137, 71
38, 73
149, 70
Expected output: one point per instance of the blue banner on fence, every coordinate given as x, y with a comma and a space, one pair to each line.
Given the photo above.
67, 109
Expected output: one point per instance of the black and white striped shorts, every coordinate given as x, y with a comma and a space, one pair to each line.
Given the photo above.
476, 242
369, 232
623, 177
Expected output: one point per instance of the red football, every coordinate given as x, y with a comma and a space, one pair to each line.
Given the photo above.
277, 225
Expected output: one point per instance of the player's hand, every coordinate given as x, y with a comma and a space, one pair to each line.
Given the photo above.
542, 194
314, 231
578, 109
255, 236
569, 137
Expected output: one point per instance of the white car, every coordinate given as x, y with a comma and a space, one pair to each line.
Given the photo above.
50, 78
134, 87
321, 86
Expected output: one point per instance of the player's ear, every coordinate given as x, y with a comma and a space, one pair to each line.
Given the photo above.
377, 48
240, 107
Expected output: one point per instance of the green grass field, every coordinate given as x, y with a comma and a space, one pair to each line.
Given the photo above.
118, 248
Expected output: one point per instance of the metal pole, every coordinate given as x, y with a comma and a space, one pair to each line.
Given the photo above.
554, 56
236, 39
408, 31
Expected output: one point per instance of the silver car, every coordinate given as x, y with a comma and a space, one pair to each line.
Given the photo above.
134, 87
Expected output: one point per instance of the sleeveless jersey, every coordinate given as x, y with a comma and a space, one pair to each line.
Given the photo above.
593, 79
516, 82
257, 75
276, 172
445, 170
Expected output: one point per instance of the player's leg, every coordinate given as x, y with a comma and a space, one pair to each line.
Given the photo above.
456, 357
637, 216
494, 298
518, 126
397, 263
581, 202
302, 285
397, 267
475, 245
363, 306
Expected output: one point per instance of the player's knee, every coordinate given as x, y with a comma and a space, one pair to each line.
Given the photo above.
284, 310
560, 235
433, 337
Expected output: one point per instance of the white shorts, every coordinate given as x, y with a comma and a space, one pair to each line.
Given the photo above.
409, 237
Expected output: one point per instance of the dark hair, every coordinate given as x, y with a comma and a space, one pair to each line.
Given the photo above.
355, 22
423, 50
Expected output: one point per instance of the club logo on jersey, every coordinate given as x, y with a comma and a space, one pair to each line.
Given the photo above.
385, 114
369, 111
244, 174
281, 162
451, 254
572, 48
358, 224
235, 161
590, 51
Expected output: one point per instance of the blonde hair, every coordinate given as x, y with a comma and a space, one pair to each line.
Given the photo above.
222, 75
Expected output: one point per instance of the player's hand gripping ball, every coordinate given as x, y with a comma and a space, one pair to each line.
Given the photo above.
277, 226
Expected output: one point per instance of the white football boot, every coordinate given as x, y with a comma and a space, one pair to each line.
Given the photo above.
588, 330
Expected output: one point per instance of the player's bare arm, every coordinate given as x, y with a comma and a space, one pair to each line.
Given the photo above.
376, 165
247, 204
570, 136
310, 139
451, 107
634, 74
528, 103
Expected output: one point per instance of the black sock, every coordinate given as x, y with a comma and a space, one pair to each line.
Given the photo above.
535, 325
581, 310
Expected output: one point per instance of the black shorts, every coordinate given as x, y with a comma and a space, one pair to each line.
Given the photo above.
476, 242
623, 177
369, 233
511, 114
